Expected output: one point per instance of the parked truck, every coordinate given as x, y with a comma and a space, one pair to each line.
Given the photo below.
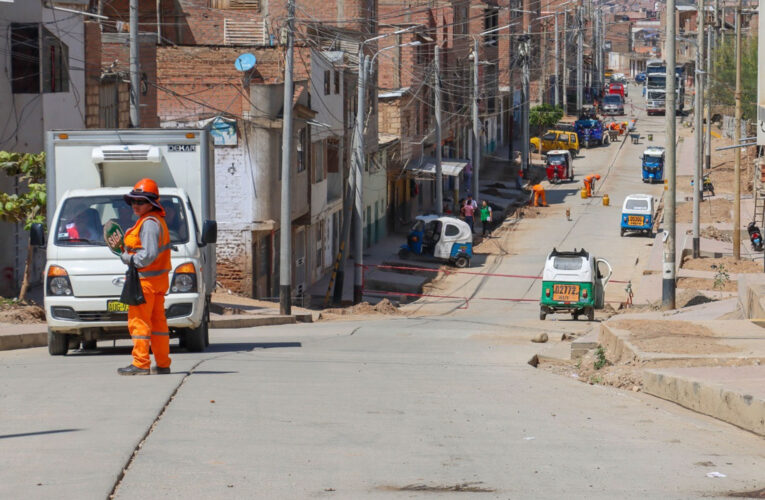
88, 172
656, 88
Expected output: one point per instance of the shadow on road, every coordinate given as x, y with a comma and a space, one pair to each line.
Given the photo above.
38, 433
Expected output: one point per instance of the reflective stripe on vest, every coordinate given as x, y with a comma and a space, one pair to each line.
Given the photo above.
161, 263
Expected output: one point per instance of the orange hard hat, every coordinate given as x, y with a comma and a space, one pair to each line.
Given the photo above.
145, 189
597, 176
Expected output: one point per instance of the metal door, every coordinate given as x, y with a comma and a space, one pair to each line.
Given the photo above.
299, 254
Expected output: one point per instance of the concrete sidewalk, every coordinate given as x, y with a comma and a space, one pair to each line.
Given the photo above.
714, 367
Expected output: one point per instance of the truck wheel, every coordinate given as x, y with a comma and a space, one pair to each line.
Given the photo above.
58, 343
590, 314
197, 339
461, 262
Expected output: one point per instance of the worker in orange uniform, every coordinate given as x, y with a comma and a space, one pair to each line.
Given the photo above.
539, 192
589, 183
148, 244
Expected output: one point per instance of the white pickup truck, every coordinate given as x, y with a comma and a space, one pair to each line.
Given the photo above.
88, 172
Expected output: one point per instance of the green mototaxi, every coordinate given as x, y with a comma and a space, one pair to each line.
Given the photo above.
573, 282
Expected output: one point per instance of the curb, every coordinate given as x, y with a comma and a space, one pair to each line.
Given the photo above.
23, 340
243, 321
711, 398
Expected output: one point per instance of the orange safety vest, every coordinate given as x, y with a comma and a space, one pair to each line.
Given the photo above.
161, 264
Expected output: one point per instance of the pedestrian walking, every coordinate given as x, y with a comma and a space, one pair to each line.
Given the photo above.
147, 244
485, 217
468, 211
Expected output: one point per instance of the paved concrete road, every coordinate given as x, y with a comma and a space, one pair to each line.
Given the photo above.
398, 407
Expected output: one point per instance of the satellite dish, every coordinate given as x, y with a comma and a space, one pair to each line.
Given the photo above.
245, 62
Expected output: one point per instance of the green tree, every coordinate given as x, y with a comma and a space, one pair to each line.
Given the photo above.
723, 82
545, 115
29, 206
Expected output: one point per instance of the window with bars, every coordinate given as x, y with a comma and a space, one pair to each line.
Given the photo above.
235, 4
327, 81
32, 45
490, 22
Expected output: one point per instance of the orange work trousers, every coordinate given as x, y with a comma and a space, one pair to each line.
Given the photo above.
148, 325
537, 195
588, 187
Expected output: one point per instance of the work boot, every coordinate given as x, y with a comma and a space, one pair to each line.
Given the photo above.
133, 370
159, 370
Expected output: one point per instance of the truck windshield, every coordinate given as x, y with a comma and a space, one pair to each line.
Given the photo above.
567, 263
82, 219
657, 81
637, 205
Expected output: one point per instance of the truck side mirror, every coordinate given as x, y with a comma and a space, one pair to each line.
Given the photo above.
37, 235
209, 232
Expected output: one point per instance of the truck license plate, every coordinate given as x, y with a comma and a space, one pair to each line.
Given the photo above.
116, 306
566, 293
634, 220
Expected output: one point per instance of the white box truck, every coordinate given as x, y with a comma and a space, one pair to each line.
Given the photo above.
88, 172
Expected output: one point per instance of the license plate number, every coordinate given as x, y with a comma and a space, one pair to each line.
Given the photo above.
634, 220
116, 306
566, 293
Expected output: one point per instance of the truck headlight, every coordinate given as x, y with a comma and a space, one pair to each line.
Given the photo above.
57, 281
184, 279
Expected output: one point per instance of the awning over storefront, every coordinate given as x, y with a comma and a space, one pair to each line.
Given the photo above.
451, 166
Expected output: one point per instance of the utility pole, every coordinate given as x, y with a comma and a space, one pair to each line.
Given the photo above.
594, 51
439, 171
708, 102
668, 268
543, 51
579, 59
699, 125
565, 63
557, 64
476, 124
737, 141
358, 166
135, 68
285, 235
524, 49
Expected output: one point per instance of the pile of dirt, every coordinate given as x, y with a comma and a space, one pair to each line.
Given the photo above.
713, 233
683, 298
21, 313
727, 264
707, 284
676, 337
527, 212
622, 376
712, 210
385, 306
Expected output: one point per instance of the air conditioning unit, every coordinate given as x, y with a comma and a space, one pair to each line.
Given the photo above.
126, 154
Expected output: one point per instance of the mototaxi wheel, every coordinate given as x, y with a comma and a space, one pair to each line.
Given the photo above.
542, 314
461, 262
403, 253
590, 314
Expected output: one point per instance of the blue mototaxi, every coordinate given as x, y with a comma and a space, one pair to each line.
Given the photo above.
653, 164
638, 214
441, 238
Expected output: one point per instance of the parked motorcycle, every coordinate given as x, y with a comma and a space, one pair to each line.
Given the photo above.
755, 236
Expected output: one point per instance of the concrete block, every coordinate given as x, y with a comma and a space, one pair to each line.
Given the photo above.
580, 346
733, 394
247, 321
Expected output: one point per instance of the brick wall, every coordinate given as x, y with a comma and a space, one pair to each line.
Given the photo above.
202, 81
234, 259
92, 73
